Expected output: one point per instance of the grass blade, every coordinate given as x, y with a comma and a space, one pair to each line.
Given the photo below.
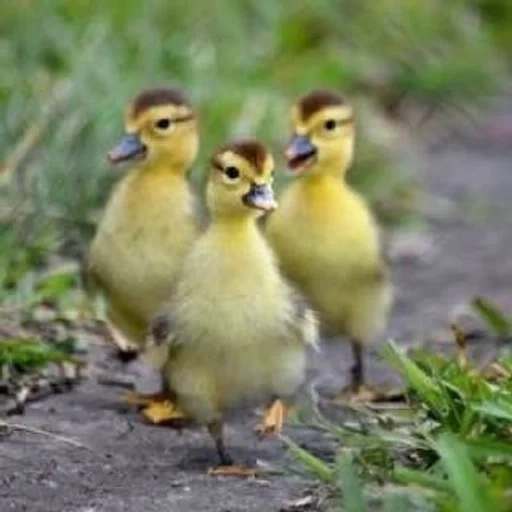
484, 448
462, 475
414, 375
493, 317
498, 409
353, 499
408, 476
313, 464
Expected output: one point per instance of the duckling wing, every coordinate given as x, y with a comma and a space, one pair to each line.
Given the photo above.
161, 329
304, 321
160, 341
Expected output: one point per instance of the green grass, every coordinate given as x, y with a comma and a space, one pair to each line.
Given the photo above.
25, 355
449, 450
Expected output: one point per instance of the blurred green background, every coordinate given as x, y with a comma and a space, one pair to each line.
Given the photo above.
68, 67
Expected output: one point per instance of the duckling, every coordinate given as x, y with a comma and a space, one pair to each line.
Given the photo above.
149, 222
324, 234
237, 332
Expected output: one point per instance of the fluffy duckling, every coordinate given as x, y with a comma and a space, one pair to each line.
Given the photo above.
324, 234
238, 333
149, 222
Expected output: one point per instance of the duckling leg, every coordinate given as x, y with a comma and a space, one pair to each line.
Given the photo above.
216, 430
356, 391
127, 351
359, 391
274, 418
357, 370
226, 467
157, 408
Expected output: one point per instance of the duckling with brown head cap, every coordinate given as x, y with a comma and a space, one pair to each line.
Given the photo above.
149, 222
238, 332
324, 233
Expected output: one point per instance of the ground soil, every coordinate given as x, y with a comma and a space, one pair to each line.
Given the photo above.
126, 465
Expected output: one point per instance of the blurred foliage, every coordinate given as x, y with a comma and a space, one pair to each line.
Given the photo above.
69, 66
497, 14
497, 321
24, 355
449, 450
49, 327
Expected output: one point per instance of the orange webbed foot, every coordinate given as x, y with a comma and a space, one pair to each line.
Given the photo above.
156, 408
160, 412
238, 471
365, 395
273, 420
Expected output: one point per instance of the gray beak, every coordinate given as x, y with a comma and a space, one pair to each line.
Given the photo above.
260, 197
128, 149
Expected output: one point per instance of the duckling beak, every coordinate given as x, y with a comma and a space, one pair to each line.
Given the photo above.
300, 152
260, 197
129, 148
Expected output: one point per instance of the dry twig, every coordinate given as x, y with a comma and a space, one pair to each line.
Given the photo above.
7, 426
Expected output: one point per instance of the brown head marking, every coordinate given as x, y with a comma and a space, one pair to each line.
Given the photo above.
318, 99
249, 149
155, 97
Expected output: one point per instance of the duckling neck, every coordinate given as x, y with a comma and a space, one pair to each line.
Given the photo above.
234, 226
333, 169
173, 169
325, 176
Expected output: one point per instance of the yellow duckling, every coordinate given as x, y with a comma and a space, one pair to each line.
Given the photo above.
324, 234
237, 332
149, 222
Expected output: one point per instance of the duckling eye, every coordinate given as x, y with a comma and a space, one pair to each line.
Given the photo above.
163, 124
330, 124
232, 173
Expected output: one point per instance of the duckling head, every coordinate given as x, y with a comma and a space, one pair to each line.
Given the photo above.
323, 134
240, 181
161, 131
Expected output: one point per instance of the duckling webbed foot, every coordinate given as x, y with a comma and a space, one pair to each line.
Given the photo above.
363, 394
156, 408
160, 412
273, 420
239, 471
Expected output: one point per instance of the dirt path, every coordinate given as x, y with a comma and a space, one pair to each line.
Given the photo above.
131, 467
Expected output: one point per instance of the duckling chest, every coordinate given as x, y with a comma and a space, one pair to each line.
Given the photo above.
235, 298
146, 230
318, 229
